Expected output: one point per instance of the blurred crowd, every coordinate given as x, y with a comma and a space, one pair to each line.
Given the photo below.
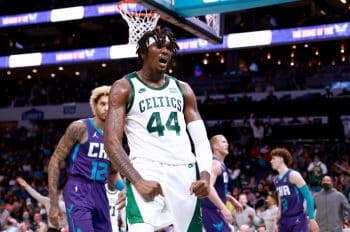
25, 152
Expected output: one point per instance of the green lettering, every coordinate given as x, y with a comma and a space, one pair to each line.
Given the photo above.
148, 102
173, 102
167, 101
141, 106
161, 101
155, 104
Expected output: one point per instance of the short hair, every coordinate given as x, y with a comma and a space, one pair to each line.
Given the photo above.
160, 36
274, 196
284, 153
214, 139
96, 94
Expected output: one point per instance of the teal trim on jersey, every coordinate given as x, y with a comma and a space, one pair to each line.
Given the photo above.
91, 120
132, 90
75, 153
70, 218
133, 213
166, 83
87, 132
180, 89
196, 221
297, 193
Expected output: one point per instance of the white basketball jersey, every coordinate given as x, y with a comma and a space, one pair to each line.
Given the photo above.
155, 125
113, 209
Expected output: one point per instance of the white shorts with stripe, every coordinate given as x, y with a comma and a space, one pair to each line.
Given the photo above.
177, 207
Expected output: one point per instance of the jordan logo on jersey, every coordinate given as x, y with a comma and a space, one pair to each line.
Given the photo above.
95, 135
283, 190
96, 150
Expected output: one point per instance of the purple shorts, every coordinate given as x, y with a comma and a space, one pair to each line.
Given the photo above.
86, 205
297, 223
214, 221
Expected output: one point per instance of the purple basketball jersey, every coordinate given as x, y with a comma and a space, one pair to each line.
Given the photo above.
220, 187
213, 220
89, 160
291, 197
84, 192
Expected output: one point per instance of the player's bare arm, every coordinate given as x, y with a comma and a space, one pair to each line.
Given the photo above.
114, 127
201, 187
213, 195
297, 179
76, 132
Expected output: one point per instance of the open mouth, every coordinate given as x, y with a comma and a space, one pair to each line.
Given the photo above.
163, 60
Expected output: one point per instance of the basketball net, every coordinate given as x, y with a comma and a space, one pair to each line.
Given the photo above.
138, 18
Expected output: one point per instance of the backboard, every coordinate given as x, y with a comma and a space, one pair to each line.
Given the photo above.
202, 29
182, 13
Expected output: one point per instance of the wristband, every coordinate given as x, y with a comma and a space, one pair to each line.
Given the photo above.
119, 185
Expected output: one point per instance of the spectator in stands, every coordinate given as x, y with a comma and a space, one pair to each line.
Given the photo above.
295, 121
26, 224
317, 169
261, 228
4, 214
331, 206
46, 202
257, 127
248, 216
244, 228
244, 98
328, 93
344, 92
269, 216
342, 168
271, 97
39, 224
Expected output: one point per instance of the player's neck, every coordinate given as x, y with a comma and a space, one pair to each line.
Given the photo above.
151, 76
219, 157
99, 123
282, 169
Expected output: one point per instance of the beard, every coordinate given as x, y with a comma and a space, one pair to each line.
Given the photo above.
326, 186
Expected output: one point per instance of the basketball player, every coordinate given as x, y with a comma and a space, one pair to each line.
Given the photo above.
154, 109
114, 194
87, 166
216, 216
292, 190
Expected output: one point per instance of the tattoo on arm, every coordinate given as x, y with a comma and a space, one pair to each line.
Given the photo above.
114, 133
74, 133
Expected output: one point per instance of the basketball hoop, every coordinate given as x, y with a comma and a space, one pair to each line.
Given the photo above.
138, 18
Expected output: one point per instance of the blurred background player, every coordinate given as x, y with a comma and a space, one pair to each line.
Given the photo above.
87, 167
292, 190
216, 216
115, 194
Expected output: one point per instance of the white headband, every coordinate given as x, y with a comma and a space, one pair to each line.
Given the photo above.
151, 40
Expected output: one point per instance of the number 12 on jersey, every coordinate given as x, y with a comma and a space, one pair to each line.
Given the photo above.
155, 124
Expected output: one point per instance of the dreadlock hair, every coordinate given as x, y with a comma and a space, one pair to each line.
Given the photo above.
161, 36
284, 153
